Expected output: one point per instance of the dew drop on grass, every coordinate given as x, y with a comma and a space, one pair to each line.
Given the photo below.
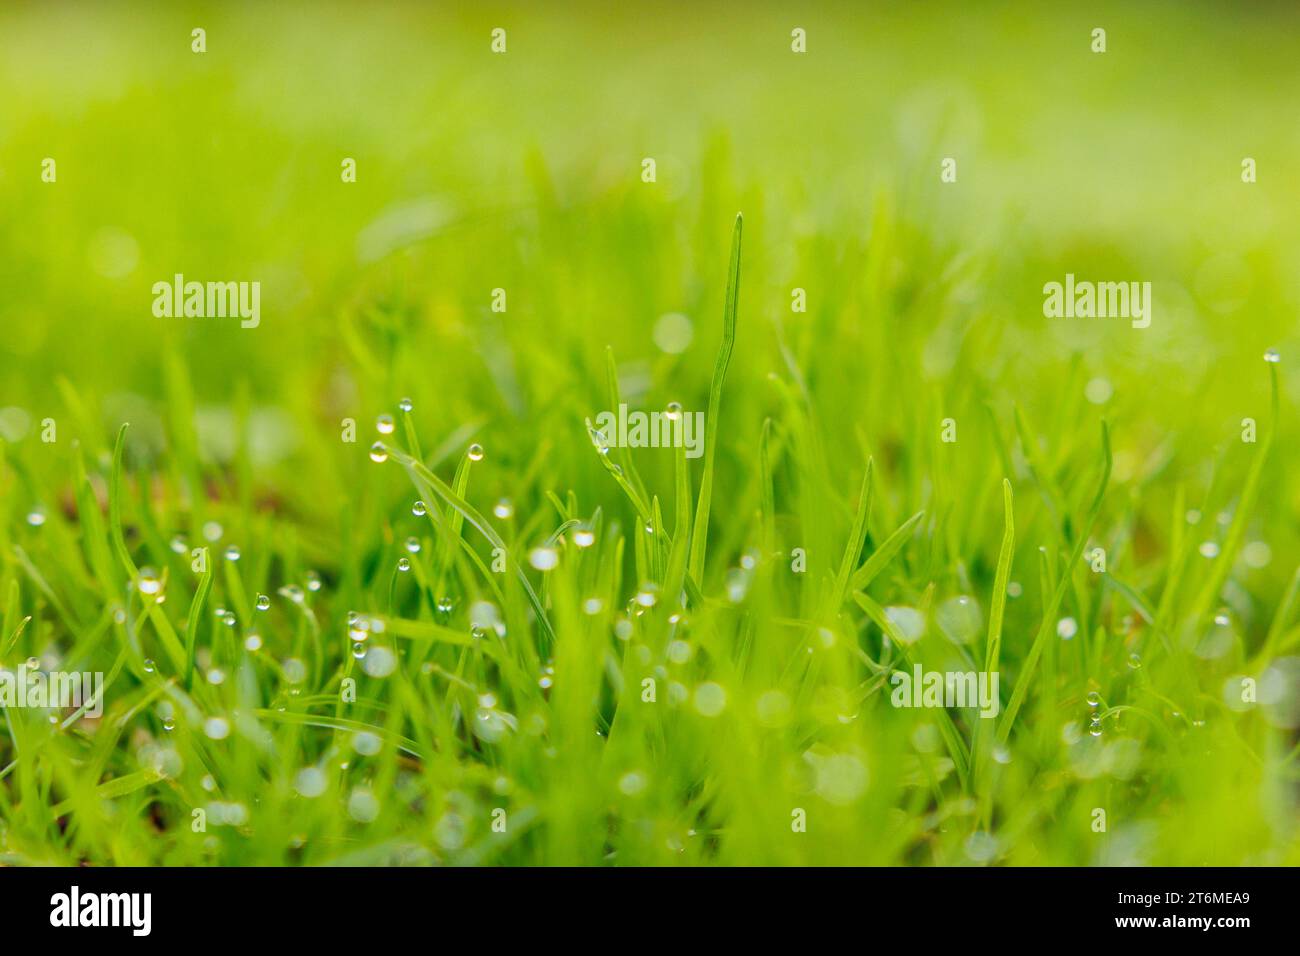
263, 602
216, 676
179, 545
149, 582
419, 509
1272, 356
1208, 549
379, 452
229, 619
1066, 628
312, 580
232, 553
253, 641
366, 743
1221, 618
1094, 699
384, 424
293, 593
403, 564
413, 545
1014, 589
593, 605
1094, 727
503, 508
710, 699
36, 517
673, 411
544, 559
909, 622
584, 537
358, 650
406, 404
362, 805
959, 619
1134, 661
310, 782
475, 452
647, 596
148, 665
212, 531
379, 662
217, 728
295, 671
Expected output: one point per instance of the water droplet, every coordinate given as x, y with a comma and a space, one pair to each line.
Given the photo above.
232, 553
380, 661
263, 602
543, 559
503, 508
673, 411
1094, 727
908, 621
217, 728
959, 619
1066, 628
1098, 391
584, 537
358, 650
1208, 549
363, 806
445, 605
1272, 356
475, 452
36, 517
228, 619
1134, 661
293, 593
1094, 699
1014, 589
419, 509
312, 580
212, 531
403, 564
310, 782
216, 676
384, 424
710, 699
598, 438
1221, 618
593, 605
253, 641
179, 545
149, 665
295, 671
169, 724
149, 582
406, 404
647, 596
379, 452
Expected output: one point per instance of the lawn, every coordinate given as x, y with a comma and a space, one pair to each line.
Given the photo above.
398, 570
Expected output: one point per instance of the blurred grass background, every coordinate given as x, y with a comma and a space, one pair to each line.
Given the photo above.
521, 171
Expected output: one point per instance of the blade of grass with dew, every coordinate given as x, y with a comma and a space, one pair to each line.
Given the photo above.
699, 536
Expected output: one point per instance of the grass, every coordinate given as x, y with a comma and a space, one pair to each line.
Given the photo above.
630, 657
